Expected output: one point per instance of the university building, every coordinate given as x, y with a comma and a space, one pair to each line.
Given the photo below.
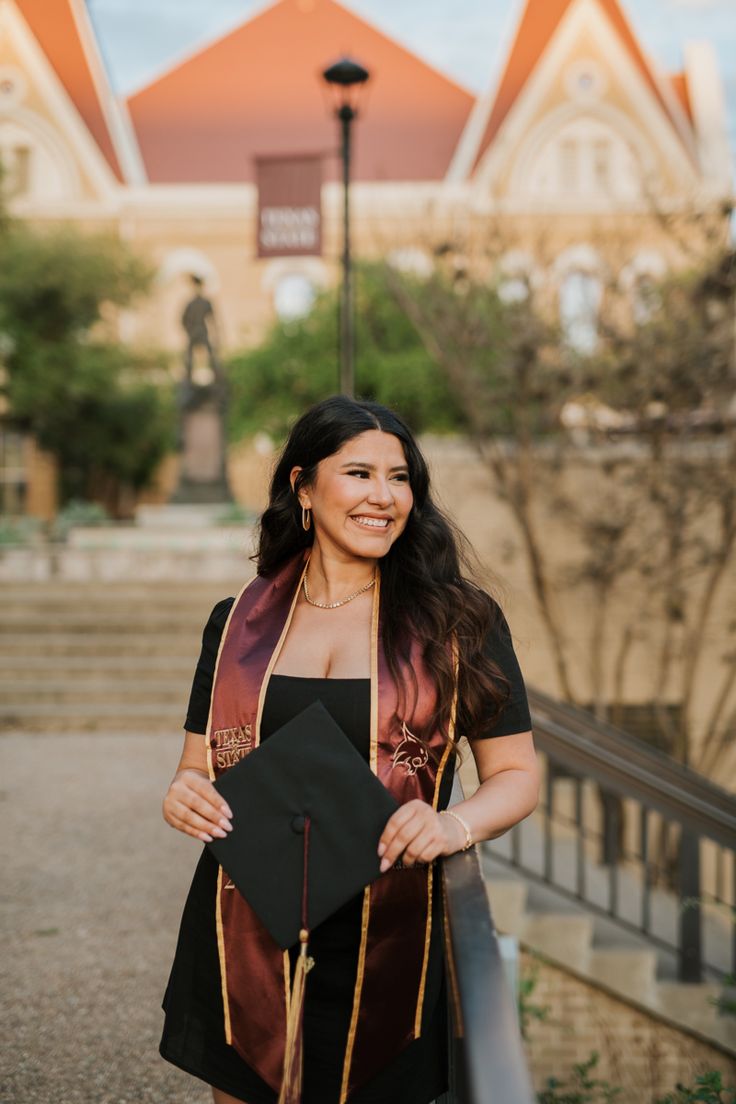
569, 172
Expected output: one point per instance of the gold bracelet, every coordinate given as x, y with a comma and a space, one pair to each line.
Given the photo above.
459, 819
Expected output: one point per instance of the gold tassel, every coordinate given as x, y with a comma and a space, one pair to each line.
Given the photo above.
291, 1084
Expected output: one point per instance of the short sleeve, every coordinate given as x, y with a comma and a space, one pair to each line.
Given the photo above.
514, 715
199, 699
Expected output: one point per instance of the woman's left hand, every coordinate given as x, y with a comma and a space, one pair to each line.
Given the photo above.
417, 833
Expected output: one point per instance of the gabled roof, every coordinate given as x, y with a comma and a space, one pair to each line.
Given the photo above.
258, 91
682, 91
63, 32
539, 22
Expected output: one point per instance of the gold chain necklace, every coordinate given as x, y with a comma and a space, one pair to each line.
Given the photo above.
342, 602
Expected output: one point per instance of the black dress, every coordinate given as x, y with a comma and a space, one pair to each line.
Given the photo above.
193, 1036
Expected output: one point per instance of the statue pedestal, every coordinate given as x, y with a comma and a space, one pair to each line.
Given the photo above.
203, 474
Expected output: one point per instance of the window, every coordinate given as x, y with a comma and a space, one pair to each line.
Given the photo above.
513, 289
584, 159
569, 168
639, 280
580, 298
16, 175
601, 152
293, 296
645, 299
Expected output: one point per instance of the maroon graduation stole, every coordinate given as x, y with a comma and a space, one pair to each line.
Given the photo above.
397, 907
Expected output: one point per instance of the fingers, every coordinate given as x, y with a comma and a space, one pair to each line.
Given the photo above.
189, 827
193, 806
412, 833
421, 849
204, 788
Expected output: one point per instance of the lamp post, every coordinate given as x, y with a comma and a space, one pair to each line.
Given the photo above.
346, 78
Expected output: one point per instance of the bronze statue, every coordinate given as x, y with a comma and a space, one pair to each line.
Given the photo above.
200, 325
202, 409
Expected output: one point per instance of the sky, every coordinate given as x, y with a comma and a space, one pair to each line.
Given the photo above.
466, 39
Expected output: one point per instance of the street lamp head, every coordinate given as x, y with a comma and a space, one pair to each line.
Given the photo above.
345, 78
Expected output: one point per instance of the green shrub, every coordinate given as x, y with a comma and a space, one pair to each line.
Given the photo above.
19, 531
297, 365
708, 1089
581, 1089
77, 512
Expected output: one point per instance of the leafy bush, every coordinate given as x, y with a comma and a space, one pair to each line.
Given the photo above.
19, 531
84, 397
297, 365
708, 1089
78, 512
582, 1089
235, 514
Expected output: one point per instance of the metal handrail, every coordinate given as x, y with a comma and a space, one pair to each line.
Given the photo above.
487, 1058
625, 769
630, 768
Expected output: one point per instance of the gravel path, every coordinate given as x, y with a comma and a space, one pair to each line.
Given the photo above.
93, 882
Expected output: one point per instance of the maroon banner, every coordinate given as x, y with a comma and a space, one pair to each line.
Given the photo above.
289, 206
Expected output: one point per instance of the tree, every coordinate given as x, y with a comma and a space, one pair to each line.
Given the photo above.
297, 365
86, 399
631, 512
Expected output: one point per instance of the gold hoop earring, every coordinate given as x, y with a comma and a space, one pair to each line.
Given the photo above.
306, 517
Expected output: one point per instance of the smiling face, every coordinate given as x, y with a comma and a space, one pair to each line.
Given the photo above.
361, 497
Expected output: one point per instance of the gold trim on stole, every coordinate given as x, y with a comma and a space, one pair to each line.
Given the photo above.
211, 772
257, 739
430, 868
367, 891
275, 656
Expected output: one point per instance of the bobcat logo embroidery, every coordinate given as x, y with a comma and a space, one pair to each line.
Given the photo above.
410, 752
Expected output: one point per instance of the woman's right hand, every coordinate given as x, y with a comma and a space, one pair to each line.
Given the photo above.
193, 805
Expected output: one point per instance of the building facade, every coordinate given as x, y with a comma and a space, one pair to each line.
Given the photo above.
582, 164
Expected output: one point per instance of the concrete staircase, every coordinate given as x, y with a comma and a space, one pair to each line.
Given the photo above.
597, 951
118, 658
93, 657
593, 947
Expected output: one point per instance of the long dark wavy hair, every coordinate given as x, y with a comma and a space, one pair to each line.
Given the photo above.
427, 590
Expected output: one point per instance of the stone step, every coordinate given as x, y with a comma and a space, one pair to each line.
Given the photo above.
507, 898
108, 717
66, 594
16, 696
105, 621
563, 936
567, 938
691, 1003
631, 970
101, 643
23, 669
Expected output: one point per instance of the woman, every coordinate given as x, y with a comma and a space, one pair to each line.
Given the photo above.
360, 602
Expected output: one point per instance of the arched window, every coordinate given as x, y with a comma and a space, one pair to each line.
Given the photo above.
580, 299
518, 276
583, 157
639, 279
188, 261
293, 296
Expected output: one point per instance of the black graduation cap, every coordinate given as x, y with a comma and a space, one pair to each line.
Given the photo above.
306, 778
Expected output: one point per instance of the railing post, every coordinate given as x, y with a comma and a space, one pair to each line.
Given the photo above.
612, 822
690, 965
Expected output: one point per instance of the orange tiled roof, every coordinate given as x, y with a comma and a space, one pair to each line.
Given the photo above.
538, 24
54, 25
258, 91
